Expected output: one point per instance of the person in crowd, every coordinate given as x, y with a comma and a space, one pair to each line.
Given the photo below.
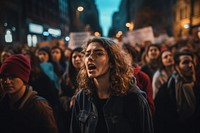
21, 109
143, 80
67, 53
69, 83
108, 100
177, 102
48, 67
40, 81
7, 52
166, 68
150, 59
58, 57
45, 88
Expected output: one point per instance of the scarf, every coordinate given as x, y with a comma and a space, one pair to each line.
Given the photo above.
185, 98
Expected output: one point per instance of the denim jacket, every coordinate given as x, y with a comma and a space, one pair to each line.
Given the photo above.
123, 114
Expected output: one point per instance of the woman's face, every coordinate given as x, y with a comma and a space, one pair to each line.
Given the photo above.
56, 54
167, 59
96, 60
43, 56
77, 60
153, 53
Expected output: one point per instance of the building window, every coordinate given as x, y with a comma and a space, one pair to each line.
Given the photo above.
32, 40
181, 14
185, 12
8, 36
197, 8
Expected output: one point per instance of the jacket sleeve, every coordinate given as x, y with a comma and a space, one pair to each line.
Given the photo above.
75, 126
145, 121
139, 113
44, 113
149, 92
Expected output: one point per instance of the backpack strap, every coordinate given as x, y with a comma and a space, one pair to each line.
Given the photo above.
37, 98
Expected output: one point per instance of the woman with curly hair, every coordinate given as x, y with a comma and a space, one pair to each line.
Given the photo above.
108, 99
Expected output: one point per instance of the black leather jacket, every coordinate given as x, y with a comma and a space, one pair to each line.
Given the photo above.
123, 114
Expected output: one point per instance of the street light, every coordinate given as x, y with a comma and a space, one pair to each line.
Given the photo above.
130, 26
119, 34
80, 8
97, 34
78, 11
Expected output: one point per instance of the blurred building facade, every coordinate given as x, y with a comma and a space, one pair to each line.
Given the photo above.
33, 21
86, 19
127, 13
143, 13
186, 18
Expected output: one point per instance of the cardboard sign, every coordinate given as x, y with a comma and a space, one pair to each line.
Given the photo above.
77, 39
141, 35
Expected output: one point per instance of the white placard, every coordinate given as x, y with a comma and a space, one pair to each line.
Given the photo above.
77, 39
141, 35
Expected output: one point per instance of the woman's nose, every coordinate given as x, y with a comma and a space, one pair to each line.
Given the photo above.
91, 57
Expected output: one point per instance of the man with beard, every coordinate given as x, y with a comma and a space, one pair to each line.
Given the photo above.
177, 101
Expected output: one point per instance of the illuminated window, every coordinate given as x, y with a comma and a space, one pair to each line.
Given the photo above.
32, 40
8, 36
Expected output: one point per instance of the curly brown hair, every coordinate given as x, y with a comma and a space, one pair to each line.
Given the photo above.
121, 74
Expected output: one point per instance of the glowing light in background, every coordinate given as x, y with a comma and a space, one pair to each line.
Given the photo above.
80, 8
8, 36
186, 26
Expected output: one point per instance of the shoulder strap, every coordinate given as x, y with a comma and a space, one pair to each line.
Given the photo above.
37, 98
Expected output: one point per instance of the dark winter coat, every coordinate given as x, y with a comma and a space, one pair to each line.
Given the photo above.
31, 114
167, 119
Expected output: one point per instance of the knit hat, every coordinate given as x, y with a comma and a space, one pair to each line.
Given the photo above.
18, 65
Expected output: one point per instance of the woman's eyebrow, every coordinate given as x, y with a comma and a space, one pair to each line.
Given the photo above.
96, 50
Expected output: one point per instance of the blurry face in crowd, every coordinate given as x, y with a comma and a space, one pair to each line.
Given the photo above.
43, 56
5, 55
12, 84
56, 54
96, 60
167, 58
67, 53
153, 53
77, 60
186, 66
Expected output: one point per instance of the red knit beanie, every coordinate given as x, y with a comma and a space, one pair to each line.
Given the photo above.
18, 65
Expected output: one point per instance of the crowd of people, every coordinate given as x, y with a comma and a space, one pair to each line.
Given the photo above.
101, 87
